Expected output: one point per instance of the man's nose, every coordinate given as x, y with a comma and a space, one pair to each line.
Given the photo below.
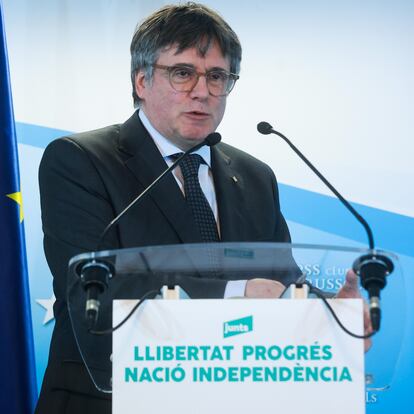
200, 89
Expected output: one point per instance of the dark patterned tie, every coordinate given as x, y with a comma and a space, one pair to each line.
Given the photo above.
203, 215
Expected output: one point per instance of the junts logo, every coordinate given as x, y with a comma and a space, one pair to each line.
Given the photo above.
238, 326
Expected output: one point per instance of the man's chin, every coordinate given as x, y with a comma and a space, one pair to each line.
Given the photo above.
190, 141
187, 143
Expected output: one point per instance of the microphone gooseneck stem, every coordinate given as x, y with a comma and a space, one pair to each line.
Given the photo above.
135, 200
95, 274
211, 140
372, 267
332, 188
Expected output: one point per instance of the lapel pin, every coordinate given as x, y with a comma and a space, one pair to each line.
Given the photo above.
234, 178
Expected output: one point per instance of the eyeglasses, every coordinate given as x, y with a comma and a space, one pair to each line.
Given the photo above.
185, 78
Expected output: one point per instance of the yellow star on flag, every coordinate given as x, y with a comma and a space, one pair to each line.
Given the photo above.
17, 197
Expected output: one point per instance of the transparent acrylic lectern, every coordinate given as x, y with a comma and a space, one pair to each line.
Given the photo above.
202, 270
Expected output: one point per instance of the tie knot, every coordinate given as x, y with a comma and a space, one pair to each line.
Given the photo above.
190, 165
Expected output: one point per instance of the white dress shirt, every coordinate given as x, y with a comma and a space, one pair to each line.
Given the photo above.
205, 176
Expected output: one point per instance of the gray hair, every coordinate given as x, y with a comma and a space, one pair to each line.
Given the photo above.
188, 25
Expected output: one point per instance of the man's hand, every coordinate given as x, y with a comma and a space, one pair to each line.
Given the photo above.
350, 290
263, 288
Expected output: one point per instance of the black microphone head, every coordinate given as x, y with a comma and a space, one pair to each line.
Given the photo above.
212, 139
264, 128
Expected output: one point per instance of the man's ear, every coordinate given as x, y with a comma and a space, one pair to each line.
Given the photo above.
140, 84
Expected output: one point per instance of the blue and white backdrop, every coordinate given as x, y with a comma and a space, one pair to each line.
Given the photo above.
337, 77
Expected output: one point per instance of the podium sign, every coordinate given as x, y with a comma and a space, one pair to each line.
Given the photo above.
204, 356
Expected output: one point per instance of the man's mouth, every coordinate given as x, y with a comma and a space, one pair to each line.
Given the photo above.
197, 114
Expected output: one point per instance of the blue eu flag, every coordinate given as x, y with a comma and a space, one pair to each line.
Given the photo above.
18, 391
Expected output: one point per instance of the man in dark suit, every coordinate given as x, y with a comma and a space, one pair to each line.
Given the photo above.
185, 61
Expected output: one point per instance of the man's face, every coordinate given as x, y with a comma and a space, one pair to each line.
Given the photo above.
185, 118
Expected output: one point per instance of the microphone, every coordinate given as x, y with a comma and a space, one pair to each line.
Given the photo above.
211, 140
95, 275
264, 128
371, 268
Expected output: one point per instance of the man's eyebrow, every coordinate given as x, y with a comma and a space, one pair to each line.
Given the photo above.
189, 65
218, 68
183, 65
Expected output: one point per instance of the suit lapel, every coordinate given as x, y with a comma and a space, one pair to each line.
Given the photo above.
229, 188
146, 163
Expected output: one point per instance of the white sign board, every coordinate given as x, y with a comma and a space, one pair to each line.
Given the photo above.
224, 356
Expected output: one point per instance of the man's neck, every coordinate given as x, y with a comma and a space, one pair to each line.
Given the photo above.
165, 146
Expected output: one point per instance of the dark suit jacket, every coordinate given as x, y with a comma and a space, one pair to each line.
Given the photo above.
88, 178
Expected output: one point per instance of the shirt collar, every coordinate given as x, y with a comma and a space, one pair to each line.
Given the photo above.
165, 146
